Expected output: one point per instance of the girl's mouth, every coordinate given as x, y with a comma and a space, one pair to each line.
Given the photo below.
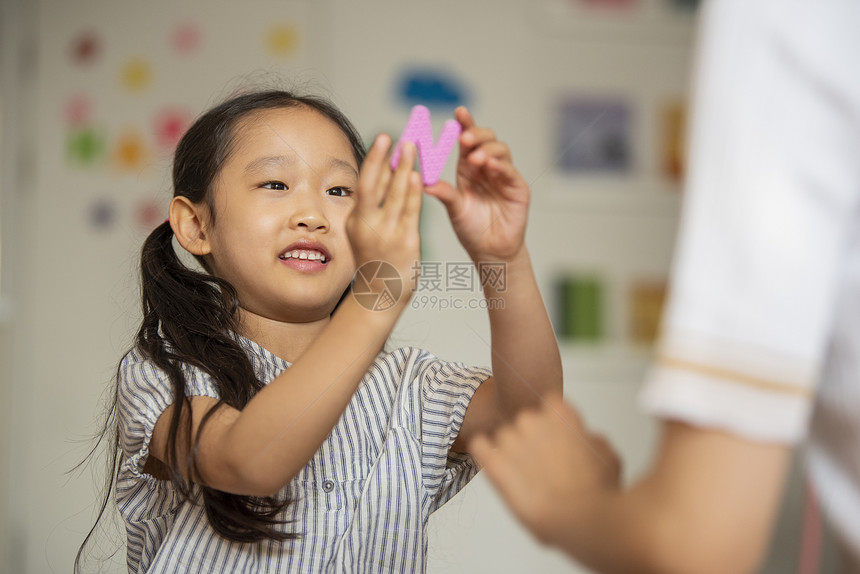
304, 255
304, 259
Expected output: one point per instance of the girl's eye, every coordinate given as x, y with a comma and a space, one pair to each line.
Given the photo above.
339, 191
276, 185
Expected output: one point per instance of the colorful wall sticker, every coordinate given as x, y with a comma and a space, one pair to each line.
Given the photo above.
149, 213
185, 38
431, 87
136, 75
85, 48
102, 214
130, 152
77, 110
282, 40
169, 126
85, 145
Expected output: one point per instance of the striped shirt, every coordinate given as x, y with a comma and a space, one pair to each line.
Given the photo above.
361, 504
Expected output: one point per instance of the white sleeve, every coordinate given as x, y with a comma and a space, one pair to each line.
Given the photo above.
144, 393
446, 389
772, 188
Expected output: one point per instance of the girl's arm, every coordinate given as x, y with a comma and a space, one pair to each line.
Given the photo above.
261, 448
257, 450
488, 211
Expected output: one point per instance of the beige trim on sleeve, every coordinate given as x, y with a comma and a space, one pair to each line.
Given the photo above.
733, 377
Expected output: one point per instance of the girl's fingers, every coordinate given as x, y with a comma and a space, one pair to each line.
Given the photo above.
444, 192
382, 183
471, 135
412, 209
395, 195
489, 150
503, 172
475, 136
371, 169
465, 118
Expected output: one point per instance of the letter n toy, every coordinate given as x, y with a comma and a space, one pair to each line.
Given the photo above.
432, 156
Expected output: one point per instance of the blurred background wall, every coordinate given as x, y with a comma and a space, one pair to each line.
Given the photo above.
589, 94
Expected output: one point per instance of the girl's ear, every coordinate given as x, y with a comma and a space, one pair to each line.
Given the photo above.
186, 219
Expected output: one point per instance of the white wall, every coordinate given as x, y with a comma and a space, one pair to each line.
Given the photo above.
75, 303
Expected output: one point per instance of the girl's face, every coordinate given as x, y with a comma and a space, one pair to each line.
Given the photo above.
281, 202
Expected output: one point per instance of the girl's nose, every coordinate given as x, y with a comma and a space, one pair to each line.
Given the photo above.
309, 216
312, 223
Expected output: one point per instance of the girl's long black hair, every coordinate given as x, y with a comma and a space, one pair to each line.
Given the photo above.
191, 317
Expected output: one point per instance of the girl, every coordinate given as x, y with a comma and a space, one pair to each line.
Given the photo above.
261, 427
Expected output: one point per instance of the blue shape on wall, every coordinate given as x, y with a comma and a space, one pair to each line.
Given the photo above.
432, 88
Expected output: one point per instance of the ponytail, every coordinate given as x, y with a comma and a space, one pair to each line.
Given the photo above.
190, 317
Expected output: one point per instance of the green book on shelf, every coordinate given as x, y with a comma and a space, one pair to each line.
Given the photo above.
581, 308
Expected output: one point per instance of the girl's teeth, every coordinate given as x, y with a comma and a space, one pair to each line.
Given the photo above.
306, 255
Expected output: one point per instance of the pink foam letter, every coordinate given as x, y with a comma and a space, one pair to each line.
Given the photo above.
419, 131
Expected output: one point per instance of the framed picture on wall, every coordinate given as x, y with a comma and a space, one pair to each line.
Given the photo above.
594, 136
684, 6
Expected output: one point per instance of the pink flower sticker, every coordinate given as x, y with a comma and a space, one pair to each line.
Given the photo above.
185, 38
149, 214
170, 125
77, 111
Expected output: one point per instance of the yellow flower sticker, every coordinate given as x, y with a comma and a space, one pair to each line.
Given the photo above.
137, 75
282, 40
130, 151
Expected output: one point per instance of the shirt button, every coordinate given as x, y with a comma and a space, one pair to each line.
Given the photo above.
328, 486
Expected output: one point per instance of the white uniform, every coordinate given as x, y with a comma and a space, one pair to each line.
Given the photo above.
762, 331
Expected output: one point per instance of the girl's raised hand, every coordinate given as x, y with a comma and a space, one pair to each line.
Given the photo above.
383, 226
489, 206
